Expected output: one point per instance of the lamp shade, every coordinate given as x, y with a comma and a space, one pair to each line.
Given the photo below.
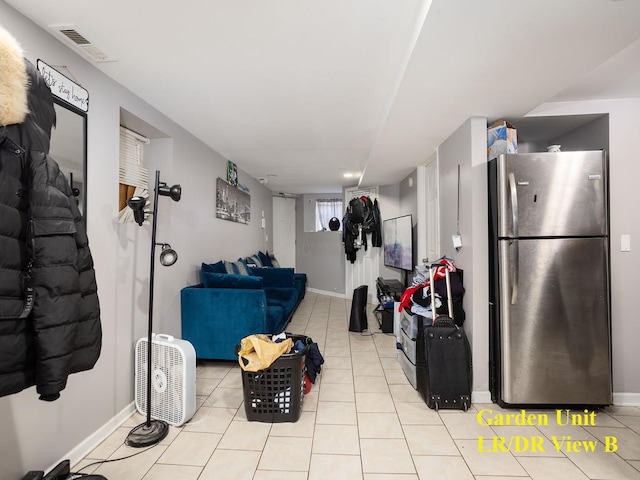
168, 256
137, 204
175, 191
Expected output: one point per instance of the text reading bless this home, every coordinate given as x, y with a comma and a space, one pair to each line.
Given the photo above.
538, 443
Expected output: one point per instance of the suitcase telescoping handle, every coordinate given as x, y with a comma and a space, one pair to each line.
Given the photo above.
432, 289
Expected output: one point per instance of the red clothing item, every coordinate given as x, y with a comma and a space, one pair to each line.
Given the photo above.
405, 298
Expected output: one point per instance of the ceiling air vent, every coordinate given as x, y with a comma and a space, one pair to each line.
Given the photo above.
80, 42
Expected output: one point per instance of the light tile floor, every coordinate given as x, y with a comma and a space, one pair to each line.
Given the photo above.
363, 420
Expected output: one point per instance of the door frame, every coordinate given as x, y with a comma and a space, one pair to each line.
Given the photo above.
284, 233
425, 224
366, 269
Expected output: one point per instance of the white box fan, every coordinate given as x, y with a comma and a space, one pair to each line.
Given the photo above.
173, 378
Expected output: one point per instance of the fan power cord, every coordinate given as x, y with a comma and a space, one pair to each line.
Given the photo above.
93, 476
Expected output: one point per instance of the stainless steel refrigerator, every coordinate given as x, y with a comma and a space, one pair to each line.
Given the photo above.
550, 341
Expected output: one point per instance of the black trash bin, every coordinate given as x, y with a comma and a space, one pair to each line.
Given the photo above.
358, 321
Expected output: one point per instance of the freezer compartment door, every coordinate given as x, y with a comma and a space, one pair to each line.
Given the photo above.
552, 194
554, 322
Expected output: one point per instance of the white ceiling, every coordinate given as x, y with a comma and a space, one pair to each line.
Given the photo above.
309, 90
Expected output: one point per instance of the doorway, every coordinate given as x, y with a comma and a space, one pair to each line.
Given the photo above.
428, 210
284, 231
366, 269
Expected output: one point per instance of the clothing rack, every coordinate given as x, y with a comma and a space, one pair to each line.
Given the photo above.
363, 192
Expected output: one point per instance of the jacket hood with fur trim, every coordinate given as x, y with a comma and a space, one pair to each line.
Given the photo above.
14, 81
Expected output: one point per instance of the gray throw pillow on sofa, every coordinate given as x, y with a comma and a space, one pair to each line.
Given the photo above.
238, 267
274, 262
255, 260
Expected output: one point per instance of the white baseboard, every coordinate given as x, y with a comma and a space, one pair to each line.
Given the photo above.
97, 437
481, 397
324, 292
626, 399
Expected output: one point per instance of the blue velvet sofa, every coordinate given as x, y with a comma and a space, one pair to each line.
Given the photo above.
299, 279
226, 307
267, 260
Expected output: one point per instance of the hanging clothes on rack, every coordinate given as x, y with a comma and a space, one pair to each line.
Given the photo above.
361, 218
350, 231
371, 223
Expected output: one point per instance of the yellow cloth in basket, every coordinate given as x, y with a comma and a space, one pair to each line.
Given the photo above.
258, 352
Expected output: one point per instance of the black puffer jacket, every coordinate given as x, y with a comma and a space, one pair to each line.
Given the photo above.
56, 331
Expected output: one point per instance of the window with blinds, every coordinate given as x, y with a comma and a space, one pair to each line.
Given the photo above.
133, 177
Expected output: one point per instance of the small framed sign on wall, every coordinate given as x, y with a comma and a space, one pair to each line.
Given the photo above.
232, 173
64, 88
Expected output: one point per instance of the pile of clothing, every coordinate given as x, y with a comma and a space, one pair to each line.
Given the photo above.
416, 299
259, 351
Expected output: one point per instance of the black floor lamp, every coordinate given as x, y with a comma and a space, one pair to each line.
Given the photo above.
152, 431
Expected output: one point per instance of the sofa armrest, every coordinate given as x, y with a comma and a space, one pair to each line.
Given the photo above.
214, 320
275, 277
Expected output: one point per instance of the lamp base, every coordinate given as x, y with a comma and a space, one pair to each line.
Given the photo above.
145, 435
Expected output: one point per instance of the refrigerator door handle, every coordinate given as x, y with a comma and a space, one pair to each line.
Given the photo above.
514, 243
514, 203
515, 264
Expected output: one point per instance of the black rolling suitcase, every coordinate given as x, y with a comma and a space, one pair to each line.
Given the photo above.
443, 358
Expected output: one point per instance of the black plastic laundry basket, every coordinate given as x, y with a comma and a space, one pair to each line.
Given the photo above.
275, 394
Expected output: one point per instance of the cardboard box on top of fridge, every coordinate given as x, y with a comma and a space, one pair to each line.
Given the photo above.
502, 137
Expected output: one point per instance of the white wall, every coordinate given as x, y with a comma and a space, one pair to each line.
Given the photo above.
467, 147
409, 205
389, 201
319, 254
36, 434
592, 136
624, 168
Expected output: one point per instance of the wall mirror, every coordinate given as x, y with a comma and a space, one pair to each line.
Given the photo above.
69, 148
69, 137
